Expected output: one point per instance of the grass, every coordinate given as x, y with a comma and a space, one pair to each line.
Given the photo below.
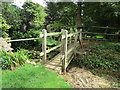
29, 76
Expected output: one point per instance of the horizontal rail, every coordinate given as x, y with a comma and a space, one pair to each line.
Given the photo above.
17, 40
53, 48
104, 27
48, 51
99, 33
95, 38
70, 50
70, 35
52, 34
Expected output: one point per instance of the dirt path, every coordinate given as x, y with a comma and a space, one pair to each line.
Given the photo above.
81, 78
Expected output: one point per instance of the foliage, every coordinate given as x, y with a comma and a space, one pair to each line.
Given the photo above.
29, 76
61, 14
101, 14
4, 27
64, 14
11, 13
9, 60
103, 56
51, 42
33, 15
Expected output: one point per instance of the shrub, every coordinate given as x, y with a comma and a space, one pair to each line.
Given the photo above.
8, 60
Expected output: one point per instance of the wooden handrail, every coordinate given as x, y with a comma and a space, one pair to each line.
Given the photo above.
104, 27
49, 50
53, 34
16, 40
99, 33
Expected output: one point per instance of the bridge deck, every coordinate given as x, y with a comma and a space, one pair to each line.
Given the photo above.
55, 63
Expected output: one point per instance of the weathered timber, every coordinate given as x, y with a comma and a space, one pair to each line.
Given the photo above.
99, 33
17, 40
53, 48
70, 50
44, 41
80, 38
94, 39
53, 34
64, 49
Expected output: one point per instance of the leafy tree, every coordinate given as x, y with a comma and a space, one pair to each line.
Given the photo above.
4, 27
33, 15
61, 14
11, 13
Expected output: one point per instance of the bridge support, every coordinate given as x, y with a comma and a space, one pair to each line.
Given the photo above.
64, 49
44, 41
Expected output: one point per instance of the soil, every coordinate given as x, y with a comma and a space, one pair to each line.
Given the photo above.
82, 78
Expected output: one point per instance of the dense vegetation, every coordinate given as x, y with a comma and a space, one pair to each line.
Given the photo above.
29, 76
103, 56
10, 60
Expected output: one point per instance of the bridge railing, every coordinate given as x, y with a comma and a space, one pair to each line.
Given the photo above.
67, 53
64, 43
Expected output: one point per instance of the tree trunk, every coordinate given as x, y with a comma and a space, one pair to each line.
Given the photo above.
78, 16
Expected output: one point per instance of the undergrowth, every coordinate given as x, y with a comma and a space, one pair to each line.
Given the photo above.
8, 60
105, 56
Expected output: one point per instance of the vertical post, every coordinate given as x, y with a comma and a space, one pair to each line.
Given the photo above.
80, 39
64, 49
44, 40
80, 34
75, 43
71, 36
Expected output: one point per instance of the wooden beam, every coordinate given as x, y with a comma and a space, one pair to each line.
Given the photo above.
64, 49
70, 50
99, 33
17, 40
44, 41
75, 42
53, 48
53, 34
94, 39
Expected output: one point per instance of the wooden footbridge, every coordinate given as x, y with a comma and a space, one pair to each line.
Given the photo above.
68, 44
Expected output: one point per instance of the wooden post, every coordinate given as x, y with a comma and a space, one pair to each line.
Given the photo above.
64, 49
70, 37
44, 40
75, 43
80, 34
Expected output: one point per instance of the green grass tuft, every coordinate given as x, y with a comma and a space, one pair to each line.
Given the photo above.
29, 76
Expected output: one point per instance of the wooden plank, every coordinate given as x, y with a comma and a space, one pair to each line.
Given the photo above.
17, 40
70, 50
53, 48
44, 41
75, 43
99, 33
94, 39
104, 27
69, 59
70, 35
53, 34
64, 50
